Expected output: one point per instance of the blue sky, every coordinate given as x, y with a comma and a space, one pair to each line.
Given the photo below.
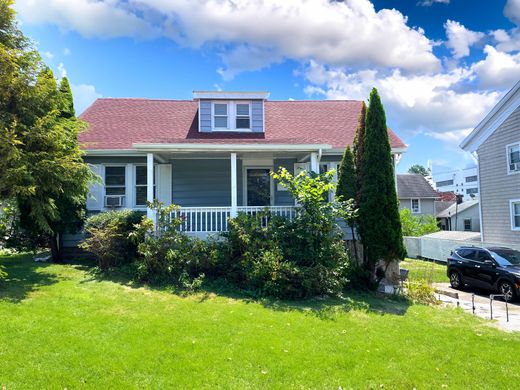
440, 65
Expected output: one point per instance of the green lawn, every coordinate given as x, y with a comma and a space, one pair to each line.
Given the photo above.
426, 270
62, 328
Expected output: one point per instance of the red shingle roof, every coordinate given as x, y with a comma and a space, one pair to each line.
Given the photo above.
119, 123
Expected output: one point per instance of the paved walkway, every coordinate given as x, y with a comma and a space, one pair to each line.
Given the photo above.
482, 305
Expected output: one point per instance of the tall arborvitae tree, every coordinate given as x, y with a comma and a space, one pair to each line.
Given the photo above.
358, 149
379, 222
66, 101
41, 164
347, 185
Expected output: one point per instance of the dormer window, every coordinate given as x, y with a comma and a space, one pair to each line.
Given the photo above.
231, 116
243, 118
220, 116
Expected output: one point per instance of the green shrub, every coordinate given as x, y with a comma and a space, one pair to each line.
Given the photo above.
419, 291
166, 255
295, 258
3, 274
417, 225
108, 237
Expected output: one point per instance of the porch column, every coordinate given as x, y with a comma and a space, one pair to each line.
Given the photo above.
314, 163
234, 204
149, 185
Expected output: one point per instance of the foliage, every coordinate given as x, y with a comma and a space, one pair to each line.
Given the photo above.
167, 255
296, 258
379, 223
108, 237
13, 236
41, 165
419, 169
420, 291
346, 187
417, 225
358, 150
425, 270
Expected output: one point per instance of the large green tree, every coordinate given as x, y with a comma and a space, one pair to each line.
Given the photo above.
41, 164
419, 169
379, 222
357, 149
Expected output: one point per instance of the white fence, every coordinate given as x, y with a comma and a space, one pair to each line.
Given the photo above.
215, 219
439, 249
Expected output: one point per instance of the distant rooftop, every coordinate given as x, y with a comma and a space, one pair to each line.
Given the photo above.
411, 185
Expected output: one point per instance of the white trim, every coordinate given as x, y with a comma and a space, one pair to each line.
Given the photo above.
134, 184
196, 147
512, 215
113, 152
230, 95
508, 155
150, 179
492, 120
234, 202
419, 205
116, 165
228, 115
479, 200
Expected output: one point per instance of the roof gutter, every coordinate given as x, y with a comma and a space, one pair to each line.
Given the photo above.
196, 147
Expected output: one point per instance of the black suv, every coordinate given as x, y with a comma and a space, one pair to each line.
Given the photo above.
493, 268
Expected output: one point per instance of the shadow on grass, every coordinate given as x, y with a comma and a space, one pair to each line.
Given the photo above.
24, 275
322, 307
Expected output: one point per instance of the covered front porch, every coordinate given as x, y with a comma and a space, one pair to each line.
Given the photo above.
212, 183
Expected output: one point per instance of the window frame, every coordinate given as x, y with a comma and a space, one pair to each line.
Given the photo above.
442, 183
232, 116
418, 206
473, 190
474, 179
512, 215
508, 158
105, 166
135, 185
470, 224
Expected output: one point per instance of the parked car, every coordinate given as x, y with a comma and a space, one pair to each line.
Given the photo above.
493, 268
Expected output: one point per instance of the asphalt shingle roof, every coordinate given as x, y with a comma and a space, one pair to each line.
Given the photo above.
410, 185
453, 209
119, 123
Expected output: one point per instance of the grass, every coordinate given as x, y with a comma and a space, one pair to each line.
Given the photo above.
425, 270
63, 328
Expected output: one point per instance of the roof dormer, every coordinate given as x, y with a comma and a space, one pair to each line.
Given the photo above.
241, 112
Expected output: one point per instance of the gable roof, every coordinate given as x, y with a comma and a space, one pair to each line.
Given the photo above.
454, 210
503, 109
120, 123
411, 185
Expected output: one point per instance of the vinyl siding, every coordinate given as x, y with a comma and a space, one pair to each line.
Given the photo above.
471, 213
497, 188
427, 206
205, 116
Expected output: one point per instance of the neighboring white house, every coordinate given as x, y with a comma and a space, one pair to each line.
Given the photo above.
461, 182
463, 217
496, 143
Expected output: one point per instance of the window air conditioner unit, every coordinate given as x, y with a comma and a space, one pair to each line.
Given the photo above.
514, 167
113, 201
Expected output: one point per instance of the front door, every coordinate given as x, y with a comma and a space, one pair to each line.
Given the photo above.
258, 187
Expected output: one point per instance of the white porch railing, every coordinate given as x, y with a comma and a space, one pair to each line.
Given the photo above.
215, 219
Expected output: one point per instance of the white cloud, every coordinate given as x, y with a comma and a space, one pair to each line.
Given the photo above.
460, 39
66, 51
429, 3
253, 33
428, 104
498, 70
62, 71
84, 95
512, 11
109, 18
48, 55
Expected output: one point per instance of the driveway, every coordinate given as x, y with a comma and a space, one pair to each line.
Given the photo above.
446, 295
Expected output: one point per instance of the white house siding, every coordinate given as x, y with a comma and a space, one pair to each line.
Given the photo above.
427, 206
470, 213
496, 186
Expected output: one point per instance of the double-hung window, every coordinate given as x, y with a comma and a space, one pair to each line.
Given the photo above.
513, 158
220, 116
141, 178
232, 116
416, 206
515, 214
467, 224
115, 186
243, 116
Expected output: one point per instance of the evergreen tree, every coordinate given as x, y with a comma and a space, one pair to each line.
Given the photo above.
379, 221
358, 150
347, 185
67, 103
41, 164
